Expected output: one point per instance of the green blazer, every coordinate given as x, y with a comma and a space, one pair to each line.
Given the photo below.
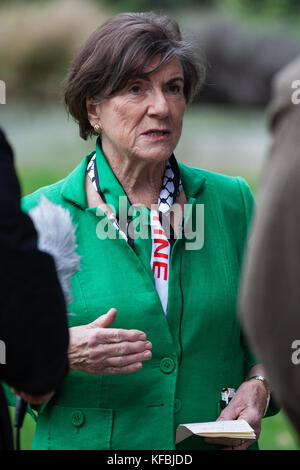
198, 347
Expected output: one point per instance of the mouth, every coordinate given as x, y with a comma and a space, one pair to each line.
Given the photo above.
157, 134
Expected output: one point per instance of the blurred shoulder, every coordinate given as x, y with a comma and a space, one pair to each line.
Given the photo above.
282, 91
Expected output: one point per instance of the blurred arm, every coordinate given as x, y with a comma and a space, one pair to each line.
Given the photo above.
270, 290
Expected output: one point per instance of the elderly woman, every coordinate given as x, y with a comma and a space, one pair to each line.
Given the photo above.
154, 331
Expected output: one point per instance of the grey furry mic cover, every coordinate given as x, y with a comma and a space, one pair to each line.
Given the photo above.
56, 236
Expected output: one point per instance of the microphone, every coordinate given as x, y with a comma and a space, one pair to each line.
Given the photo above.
56, 236
21, 407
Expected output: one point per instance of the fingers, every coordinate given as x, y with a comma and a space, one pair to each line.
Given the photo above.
104, 321
124, 370
120, 358
97, 349
242, 444
108, 357
230, 444
231, 412
117, 335
114, 335
223, 441
130, 359
119, 349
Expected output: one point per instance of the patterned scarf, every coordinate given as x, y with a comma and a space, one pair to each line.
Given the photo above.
171, 188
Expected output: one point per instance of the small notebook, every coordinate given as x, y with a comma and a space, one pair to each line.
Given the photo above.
238, 428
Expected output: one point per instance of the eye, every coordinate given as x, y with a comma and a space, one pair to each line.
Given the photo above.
175, 89
136, 89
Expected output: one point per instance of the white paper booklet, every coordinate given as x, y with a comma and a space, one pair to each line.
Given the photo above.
238, 428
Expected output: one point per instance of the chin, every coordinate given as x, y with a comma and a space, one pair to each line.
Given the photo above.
158, 155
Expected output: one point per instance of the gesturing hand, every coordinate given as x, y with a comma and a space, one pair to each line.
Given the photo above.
97, 349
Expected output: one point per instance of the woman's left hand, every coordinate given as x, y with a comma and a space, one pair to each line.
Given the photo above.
248, 403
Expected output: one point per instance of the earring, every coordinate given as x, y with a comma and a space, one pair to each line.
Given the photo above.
98, 128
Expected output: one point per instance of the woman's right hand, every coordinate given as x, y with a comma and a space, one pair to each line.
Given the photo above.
97, 349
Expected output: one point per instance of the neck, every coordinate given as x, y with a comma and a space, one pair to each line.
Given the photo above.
140, 178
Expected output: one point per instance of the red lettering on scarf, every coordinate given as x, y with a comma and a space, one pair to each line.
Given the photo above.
163, 244
160, 265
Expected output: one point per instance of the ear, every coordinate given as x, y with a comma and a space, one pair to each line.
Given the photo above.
92, 111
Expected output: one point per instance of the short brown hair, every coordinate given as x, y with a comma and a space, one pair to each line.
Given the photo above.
119, 51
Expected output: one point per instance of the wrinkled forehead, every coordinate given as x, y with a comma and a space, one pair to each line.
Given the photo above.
159, 65
159, 69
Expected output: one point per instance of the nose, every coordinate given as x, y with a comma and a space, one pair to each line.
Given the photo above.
158, 105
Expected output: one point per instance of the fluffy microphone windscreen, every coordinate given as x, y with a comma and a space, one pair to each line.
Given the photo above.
56, 236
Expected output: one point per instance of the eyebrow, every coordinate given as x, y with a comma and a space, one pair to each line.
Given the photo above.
175, 79
147, 78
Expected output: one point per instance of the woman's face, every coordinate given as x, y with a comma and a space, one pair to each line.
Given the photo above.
145, 119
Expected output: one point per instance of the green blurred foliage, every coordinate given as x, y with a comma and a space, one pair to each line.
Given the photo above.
38, 40
268, 8
146, 5
287, 9
272, 9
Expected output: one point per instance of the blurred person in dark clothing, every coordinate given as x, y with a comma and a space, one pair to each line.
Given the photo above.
270, 291
33, 323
